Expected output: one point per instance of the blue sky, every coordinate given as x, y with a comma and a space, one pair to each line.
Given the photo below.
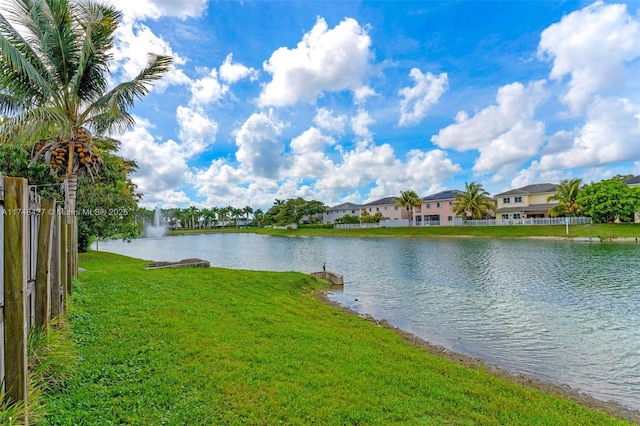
355, 101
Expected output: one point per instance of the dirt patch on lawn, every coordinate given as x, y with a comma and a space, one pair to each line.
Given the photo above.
610, 407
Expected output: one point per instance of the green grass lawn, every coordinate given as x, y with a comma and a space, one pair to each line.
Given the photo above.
604, 231
215, 346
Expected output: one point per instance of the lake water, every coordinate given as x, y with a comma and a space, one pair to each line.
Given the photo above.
565, 312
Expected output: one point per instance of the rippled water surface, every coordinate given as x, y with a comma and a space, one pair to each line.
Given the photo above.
565, 312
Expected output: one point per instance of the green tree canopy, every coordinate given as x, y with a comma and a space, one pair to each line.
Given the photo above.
292, 210
609, 201
473, 203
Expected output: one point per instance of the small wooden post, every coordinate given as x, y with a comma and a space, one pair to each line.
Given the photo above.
70, 260
74, 245
57, 296
64, 256
43, 268
16, 232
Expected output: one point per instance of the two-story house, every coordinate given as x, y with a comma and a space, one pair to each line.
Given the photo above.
388, 206
336, 212
527, 202
437, 209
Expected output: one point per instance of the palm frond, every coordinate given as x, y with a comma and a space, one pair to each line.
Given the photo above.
109, 113
21, 70
58, 40
33, 125
98, 23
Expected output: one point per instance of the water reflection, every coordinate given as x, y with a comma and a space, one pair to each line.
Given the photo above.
564, 312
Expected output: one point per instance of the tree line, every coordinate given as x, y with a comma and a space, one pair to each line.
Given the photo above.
282, 213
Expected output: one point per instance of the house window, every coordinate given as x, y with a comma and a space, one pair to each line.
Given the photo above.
432, 218
428, 205
377, 209
517, 199
506, 200
449, 218
505, 217
438, 204
516, 215
450, 203
369, 209
353, 212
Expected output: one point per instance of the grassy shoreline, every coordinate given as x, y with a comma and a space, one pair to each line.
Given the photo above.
606, 232
218, 346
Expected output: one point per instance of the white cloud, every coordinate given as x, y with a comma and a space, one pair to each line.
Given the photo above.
220, 181
311, 140
197, 131
154, 9
326, 120
207, 89
325, 60
421, 97
134, 41
360, 125
308, 159
361, 94
509, 149
360, 166
161, 166
591, 45
233, 72
165, 199
610, 134
505, 134
428, 168
259, 149
215, 85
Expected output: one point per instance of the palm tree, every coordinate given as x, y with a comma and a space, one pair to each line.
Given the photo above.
247, 210
224, 214
193, 214
54, 68
409, 200
236, 212
473, 203
258, 217
566, 195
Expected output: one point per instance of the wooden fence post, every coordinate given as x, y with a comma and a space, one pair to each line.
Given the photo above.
69, 259
16, 232
43, 266
57, 296
64, 255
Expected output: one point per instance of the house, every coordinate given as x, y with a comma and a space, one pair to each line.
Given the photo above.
437, 209
388, 206
336, 212
527, 202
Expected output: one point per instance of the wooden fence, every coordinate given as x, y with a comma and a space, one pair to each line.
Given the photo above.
38, 261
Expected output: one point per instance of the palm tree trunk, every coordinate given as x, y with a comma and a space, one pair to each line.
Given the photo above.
71, 186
